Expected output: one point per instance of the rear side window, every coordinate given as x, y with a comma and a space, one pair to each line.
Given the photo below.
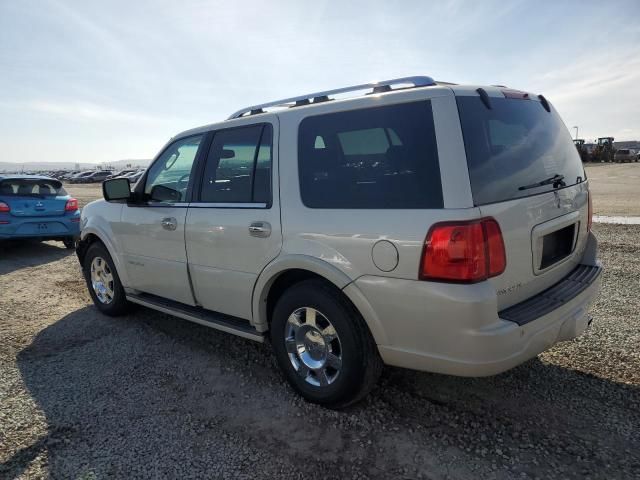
238, 168
513, 146
31, 188
382, 157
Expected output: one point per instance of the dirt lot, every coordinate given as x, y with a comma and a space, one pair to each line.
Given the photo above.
150, 396
615, 188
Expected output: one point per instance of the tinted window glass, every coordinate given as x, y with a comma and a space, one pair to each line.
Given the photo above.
238, 168
383, 157
31, 188
515, 144
367, 142
173, 169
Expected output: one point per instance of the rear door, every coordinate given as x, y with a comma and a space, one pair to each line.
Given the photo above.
233, 224
526, 173
152, 231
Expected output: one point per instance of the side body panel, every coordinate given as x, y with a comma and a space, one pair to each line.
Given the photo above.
155, 258
225, 259
339, 244
100, 218
345, 238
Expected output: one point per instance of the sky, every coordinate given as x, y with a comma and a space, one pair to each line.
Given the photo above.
99, 81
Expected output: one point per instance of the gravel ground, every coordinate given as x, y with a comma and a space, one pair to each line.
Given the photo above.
150, 396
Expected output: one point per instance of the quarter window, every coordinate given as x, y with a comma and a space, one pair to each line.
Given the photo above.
238, 168
382, 157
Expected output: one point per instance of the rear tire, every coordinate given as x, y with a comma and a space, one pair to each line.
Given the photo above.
103, 281
70, 243
323, 345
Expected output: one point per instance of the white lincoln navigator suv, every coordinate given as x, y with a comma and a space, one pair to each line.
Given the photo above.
415, 223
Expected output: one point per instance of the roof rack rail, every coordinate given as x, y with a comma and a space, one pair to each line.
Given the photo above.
317, 97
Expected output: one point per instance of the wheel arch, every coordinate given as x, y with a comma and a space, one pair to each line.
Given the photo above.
91, 235
286, 271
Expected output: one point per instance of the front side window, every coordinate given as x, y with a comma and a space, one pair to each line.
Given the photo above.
381, 157
168, 177
238, 168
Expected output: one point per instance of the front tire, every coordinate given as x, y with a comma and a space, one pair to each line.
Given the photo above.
323, 345
103, 282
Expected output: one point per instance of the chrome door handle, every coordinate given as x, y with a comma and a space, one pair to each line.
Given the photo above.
169, 223
260, 229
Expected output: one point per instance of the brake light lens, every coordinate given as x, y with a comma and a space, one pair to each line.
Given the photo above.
590, 214
4, 208
71, 206
497, 260
465, 252
517, 94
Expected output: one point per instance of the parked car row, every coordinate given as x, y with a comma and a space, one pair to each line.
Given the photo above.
132, 174
93, 176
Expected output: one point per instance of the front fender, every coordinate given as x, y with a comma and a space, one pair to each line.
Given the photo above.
100, 226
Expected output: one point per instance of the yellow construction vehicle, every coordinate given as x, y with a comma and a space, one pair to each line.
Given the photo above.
603, 151
584, 154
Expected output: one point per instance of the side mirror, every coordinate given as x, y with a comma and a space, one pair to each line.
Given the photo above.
162, 193
116, 189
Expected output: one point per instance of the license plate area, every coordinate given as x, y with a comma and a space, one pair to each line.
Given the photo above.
557, 246
554, 242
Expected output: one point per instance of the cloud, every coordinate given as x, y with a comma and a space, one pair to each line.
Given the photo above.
593, 74
83, 111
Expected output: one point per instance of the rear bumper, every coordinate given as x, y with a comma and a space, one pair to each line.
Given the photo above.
456, 330
56, 227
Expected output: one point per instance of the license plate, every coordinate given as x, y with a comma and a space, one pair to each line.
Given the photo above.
42, 227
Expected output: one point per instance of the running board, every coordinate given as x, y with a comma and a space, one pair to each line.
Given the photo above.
219, 321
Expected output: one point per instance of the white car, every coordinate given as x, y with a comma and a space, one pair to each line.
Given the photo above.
432, 226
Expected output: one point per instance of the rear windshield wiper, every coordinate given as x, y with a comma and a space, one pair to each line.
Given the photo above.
557, 181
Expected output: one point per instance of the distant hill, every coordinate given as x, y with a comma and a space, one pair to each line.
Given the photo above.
48, 166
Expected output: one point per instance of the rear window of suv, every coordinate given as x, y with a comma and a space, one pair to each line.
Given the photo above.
515, 144
381, 157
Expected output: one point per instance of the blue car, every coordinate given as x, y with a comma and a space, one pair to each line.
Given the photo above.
37, 207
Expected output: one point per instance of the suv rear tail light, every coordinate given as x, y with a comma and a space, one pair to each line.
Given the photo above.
465, 252
4, 208
590, 214
71, 206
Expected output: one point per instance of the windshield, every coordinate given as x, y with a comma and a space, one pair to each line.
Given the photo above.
516, 143
20, 187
